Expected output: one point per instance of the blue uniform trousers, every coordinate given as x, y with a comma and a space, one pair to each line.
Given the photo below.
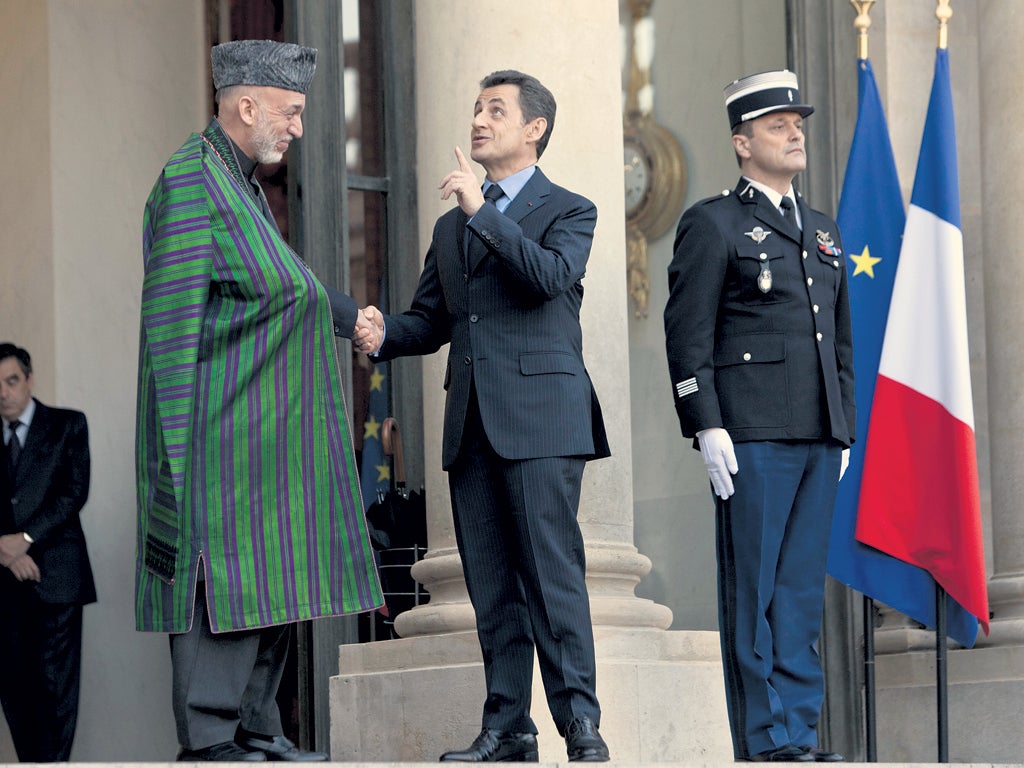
772, 538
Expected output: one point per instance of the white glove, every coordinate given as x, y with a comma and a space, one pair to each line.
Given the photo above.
844, 462
719, 459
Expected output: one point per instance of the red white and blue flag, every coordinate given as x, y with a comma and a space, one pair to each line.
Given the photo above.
919, 498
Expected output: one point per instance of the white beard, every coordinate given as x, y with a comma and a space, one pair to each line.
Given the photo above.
264, 141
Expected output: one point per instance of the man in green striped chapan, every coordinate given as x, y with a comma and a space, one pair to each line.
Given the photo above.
250, 516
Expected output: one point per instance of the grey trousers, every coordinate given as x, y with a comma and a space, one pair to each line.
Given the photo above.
225, 681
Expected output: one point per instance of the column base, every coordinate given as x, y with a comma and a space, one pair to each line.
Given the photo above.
613, 572
408, 700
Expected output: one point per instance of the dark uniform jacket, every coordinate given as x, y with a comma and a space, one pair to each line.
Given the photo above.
757, 323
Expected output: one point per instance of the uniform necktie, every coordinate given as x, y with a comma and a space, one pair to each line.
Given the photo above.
14, 446
788, 213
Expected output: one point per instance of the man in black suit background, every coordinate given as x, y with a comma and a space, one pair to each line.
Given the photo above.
502, 284
45, 576
759, 348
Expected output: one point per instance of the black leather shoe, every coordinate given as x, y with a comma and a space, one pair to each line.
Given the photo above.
280, 748
583, 743
821, 756
496, 747
786, 754
225, 752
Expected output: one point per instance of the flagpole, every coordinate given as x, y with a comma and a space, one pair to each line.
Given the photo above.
941, 674
861, 24
870, 734
943, 13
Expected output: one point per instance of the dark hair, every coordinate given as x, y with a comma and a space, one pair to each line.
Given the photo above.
7, 349
534, 99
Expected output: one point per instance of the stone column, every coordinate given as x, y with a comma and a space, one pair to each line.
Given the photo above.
1001, 27
428, 686
445, 94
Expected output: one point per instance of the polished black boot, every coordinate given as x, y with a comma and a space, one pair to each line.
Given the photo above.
786, 754
823, 756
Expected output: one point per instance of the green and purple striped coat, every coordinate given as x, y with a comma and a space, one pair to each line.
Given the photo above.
245, 461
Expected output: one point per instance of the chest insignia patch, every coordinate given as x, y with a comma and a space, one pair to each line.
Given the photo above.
758, 235
826, 244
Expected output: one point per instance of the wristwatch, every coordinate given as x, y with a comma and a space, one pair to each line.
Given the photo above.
27, 538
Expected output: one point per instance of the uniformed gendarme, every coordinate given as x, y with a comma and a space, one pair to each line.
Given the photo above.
759, 348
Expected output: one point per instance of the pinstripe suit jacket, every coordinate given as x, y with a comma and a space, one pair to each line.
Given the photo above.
512, 318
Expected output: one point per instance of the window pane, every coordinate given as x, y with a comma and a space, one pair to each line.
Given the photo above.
363, 89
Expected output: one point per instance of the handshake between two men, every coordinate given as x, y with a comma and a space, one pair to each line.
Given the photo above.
369, 331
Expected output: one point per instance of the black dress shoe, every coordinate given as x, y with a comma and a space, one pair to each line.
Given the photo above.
583, 743
786, 754
279, 748
496, 747
225, 752
821, 756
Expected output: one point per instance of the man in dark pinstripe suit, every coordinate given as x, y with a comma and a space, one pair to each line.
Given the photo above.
502, 284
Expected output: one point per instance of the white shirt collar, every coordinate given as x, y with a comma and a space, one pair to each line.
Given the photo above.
773, 195
776, 198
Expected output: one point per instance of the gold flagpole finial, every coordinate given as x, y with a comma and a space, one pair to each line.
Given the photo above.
943, 12
862, 22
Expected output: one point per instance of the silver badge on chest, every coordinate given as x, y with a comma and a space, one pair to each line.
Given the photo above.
758, 234
764, 280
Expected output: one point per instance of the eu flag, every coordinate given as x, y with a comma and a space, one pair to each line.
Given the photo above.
871, 218
375, 472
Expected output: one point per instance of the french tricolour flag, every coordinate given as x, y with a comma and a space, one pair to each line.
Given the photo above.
919, 497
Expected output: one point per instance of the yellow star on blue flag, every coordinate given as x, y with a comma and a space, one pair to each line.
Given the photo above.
865, 263
371, 428
376, 380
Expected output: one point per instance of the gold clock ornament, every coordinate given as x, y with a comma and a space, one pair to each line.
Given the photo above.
655, 176
653, 161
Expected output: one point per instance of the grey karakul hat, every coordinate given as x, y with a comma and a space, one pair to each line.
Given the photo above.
263, 62
762, 94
